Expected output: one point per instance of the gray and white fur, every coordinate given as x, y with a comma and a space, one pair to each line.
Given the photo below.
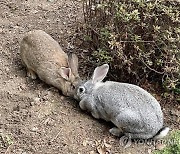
133, 111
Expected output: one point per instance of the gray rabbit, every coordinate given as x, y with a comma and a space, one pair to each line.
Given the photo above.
134, 111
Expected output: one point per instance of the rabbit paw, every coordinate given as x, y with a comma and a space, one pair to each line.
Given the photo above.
116, 131
31, 74
95, 115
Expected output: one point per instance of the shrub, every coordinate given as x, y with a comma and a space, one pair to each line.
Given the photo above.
138, 38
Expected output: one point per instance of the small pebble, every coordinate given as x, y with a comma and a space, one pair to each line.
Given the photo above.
34, 129
149, 151
36, 99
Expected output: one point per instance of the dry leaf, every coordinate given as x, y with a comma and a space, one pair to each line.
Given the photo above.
101, 150
107, 145
84, 143
98, 142
160, 146
92, 152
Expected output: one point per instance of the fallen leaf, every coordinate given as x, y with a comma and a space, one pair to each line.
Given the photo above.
101, 150
92, 152
97, 142
84, 143
160, 146
107, 145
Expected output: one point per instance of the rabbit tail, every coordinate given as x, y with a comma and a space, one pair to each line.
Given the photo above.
161, 133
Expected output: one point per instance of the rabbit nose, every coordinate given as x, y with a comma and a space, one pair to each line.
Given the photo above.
81, 90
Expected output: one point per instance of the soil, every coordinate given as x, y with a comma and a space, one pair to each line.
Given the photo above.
36, 118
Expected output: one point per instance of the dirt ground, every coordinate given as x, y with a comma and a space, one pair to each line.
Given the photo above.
36, 118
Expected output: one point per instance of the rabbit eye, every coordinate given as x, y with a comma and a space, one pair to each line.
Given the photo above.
81, 89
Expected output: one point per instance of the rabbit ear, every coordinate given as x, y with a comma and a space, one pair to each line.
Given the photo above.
65, 72
73, 63
100, 73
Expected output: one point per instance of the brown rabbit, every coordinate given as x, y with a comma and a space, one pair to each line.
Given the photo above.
43, 56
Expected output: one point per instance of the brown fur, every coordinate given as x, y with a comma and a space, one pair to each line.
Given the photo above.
43, 56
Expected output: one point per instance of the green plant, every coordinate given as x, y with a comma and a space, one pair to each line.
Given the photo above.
174, 147
102, 55
139, 38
